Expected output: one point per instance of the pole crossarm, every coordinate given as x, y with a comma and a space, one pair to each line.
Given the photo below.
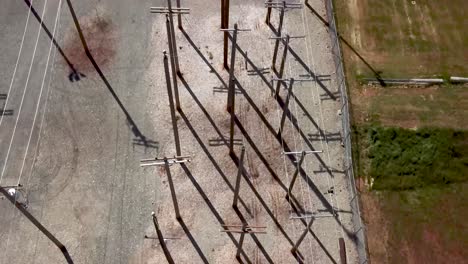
246, 229
295, 80
166, 162
233, 29
242, 230
311, 215
302, 152
162, 161
283, 5
173, 11
284, 37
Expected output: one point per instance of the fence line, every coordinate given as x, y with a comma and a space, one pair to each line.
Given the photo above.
359, 227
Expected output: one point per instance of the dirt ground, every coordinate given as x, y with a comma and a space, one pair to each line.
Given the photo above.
403, 38
83, 179
406, 39
401, 231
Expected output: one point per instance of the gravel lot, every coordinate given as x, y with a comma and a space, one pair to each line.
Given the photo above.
79, 165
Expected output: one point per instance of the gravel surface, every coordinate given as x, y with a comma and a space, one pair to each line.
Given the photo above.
81, 170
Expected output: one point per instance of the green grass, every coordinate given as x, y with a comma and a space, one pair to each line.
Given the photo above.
402, 159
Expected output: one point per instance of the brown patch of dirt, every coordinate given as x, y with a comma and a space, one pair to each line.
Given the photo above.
100, 35
410, 123
430, 249
377, 230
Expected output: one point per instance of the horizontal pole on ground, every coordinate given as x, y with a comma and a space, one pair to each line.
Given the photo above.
455, 79
405, 81
161, 163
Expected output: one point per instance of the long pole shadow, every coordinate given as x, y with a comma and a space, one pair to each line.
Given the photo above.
270, 128
280, 139
192, 240
74, 75
200, 142
212, 69
203, 146
272, 89
309, 71
319, 242
247, 178
375, 72
295, 205
254, 237
212, 208
136, 132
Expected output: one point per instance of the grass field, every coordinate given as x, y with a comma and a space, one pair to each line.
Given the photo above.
402, 39
413, 214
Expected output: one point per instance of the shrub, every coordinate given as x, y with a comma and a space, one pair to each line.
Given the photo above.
408, 159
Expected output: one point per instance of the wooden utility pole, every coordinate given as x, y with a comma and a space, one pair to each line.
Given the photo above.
171, 106
269, 4
225, 25
169, 11
35, 222
179, 16
282, 6
166, 162
232, 86
161, 239
288, 97
343, 258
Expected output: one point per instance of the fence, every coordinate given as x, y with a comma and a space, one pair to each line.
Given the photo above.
359, 227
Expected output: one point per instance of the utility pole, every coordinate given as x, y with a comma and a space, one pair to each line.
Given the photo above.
166, 162
286, 39
179, 17
231, 88
172, 54
242, 230
225, 25
35, 222
288, 97
282, 6
171, 106
162, 242
169, 11
343, 258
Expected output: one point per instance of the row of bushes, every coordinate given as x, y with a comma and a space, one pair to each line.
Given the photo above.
409, 159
